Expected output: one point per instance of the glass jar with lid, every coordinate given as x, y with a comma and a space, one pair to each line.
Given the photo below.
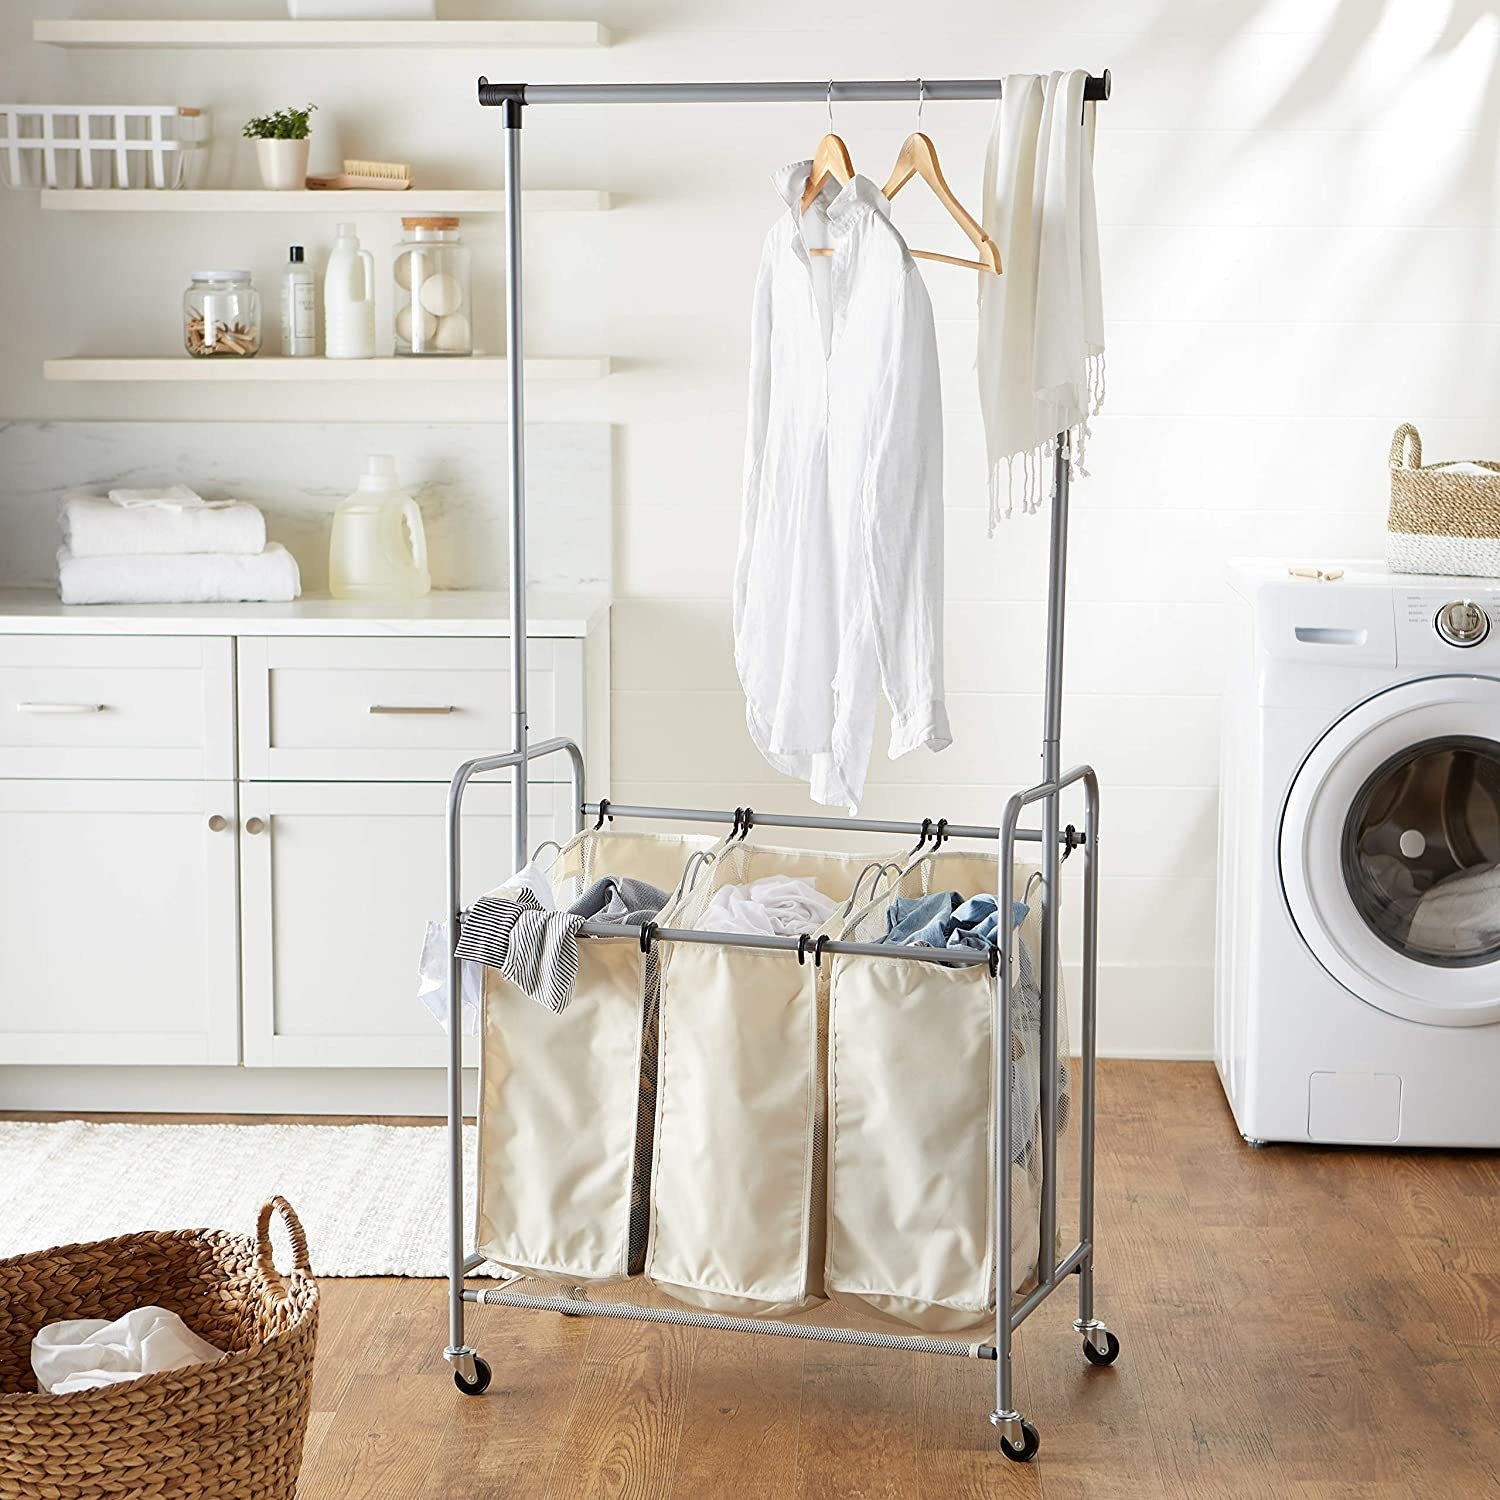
432, 289
221, 315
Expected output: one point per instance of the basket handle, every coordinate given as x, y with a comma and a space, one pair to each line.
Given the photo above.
1406, 447
298, 1236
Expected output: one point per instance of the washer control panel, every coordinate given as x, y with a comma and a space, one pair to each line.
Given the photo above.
1462, 622
1449, 627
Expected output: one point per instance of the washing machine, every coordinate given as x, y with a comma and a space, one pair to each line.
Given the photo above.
1357, 966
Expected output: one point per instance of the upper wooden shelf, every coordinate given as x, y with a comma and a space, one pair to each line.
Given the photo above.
413, 202
479, 35
475, 369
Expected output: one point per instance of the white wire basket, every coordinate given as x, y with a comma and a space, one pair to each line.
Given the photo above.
102, 145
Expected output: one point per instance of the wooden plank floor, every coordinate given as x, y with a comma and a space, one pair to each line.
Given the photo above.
1295, 1323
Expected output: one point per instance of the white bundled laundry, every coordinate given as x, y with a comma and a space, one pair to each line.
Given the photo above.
1459, 916
269, 577
1041, 323
84, 1353
774, 906
165, 526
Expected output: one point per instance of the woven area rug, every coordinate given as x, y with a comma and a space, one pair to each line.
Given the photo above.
373, 1198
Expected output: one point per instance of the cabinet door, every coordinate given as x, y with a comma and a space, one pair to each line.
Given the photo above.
338, 882
118, 929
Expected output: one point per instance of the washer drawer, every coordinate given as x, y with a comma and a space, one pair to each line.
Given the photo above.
400, 709
129, 708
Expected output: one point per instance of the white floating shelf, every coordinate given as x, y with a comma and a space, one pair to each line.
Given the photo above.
414, 201
477, 369
478, 35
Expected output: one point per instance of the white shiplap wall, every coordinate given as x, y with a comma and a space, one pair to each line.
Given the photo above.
1298, 205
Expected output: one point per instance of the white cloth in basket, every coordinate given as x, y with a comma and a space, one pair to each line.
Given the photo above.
81, 1354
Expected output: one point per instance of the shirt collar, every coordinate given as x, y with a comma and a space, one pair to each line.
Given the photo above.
842, 205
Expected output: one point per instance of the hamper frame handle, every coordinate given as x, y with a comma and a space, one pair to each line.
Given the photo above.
295, 1232
1406, 447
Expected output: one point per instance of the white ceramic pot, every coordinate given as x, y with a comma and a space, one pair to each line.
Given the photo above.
283, 164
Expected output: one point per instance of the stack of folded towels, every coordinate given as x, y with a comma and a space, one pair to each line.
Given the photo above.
169, 546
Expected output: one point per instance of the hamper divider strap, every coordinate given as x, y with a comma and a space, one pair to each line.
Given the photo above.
295, 1232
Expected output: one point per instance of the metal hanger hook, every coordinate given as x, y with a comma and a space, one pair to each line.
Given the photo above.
921, 100
830, 105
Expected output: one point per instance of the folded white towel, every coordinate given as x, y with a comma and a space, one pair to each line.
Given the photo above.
102, 528
172, 497
189, 578
83, 1353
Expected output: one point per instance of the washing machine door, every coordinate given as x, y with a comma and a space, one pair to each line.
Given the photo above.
1390, 851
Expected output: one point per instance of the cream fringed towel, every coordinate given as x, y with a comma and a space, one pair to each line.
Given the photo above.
1041, 323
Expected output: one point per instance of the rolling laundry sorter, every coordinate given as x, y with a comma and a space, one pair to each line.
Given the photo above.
682, 1025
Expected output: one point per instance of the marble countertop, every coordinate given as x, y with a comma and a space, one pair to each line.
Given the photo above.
446, 613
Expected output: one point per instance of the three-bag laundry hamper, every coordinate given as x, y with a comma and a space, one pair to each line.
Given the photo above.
755, 1134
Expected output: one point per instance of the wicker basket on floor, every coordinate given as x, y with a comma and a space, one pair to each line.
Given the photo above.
230, 1430
1441, 522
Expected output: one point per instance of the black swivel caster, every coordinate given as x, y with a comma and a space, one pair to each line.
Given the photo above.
1030, 1441
479, 1384
1105, 1356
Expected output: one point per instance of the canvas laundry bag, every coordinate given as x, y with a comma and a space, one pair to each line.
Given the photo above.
565, 1100
911, 1117
738, 1166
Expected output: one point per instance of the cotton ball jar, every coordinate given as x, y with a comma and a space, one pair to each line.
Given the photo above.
431, 272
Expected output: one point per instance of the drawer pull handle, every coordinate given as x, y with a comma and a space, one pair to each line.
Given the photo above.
59, 708
413, 708
255, 825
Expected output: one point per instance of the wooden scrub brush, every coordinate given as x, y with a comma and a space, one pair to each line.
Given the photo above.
390, 176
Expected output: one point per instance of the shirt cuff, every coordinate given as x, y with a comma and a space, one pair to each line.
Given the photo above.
923, 728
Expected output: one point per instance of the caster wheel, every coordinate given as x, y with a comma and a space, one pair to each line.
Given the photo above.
1030, 1441
480, 1383
1101, 1357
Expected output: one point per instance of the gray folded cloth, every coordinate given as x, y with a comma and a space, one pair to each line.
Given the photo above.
620, 898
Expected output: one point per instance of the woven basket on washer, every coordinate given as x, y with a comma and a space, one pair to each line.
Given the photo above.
1441, 522
230, 1430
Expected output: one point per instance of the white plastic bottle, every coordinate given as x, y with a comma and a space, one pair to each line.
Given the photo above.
378, 550
299, 323
349, 299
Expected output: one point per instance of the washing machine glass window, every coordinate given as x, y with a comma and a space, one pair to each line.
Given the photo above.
1421, 851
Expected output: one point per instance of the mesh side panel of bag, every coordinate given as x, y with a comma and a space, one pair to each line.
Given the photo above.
566, 1108
911, 1210
737, 1192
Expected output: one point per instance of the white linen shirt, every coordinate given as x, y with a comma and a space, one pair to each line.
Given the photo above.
839, 580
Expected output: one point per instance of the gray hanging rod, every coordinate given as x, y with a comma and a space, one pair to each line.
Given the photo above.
1068, 839
812, 92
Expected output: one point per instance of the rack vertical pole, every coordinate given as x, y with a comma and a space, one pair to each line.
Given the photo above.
515, 387
1057, 587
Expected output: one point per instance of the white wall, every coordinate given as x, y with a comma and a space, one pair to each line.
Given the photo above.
1298, 204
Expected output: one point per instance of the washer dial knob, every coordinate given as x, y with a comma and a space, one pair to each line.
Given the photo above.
1463, 623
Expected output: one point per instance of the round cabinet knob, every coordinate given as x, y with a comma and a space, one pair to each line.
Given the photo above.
255, 825
218, 823
1463, 623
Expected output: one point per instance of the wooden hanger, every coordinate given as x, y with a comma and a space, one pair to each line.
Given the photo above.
918, 158
832, 160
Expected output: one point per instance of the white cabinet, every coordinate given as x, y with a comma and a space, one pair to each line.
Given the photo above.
222, 846
337, 883
119, 927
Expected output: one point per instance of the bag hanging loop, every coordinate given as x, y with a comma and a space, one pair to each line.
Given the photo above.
747, 823
942, 833
604, 813
802, 943
818, 950
648, 936
922, 839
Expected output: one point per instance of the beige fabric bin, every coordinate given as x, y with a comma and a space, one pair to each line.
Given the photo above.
737, 1181
911, 1119
565, 1101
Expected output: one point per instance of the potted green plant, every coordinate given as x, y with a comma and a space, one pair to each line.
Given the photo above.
281, 146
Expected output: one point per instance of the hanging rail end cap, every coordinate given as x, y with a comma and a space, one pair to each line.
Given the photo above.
507, 96
1098, 88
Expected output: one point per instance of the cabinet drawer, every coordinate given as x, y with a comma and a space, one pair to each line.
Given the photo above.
134, 708
358, 709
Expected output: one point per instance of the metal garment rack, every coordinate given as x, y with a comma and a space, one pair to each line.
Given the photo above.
1018, 1437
